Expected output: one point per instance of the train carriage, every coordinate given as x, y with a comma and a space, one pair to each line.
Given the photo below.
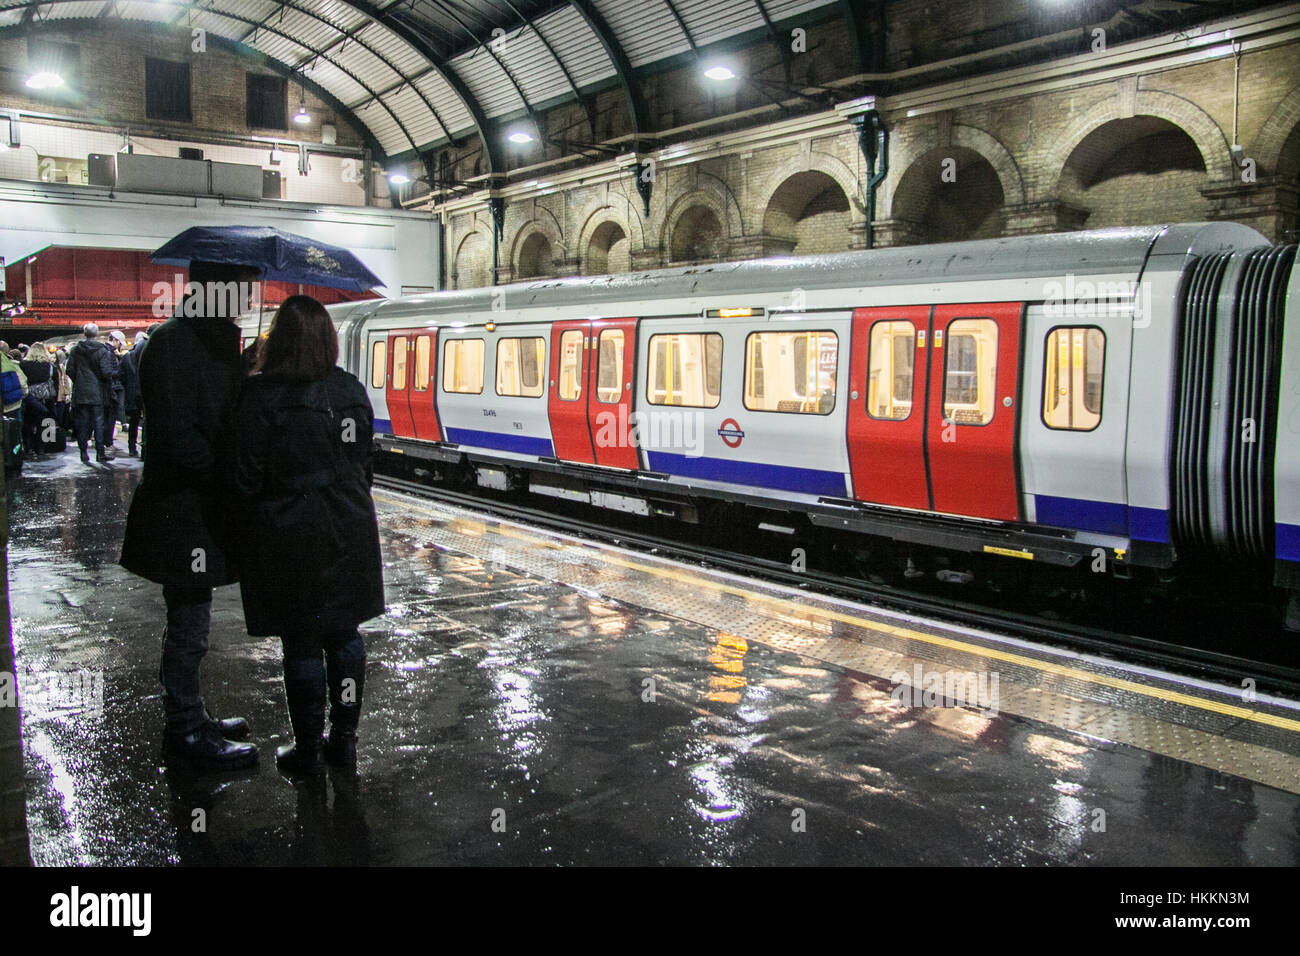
1045, 398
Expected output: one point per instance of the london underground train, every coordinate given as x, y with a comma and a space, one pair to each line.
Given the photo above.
1126, 398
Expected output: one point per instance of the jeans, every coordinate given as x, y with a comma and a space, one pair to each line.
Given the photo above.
34, 415
87, 419
185, 642
132, 429
345, 654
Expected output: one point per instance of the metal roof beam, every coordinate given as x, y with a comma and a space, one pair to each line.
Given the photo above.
244, 52
637, 109
226, 14
491, 149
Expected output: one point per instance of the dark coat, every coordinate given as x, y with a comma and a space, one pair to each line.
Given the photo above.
117, 393
42, 380
91, 367
309, 542
188, 380
129, 371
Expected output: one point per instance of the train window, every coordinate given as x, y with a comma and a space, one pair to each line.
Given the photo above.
462, 366
570, 386
399, 363
1073, 369
421, 382
685, 369
890, 370
609, 366
791, 372
970, 371
378, 363
519, 367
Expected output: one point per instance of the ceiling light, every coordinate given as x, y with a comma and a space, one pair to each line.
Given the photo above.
302, 116
719, 73
44, 80
399, 179
519, 136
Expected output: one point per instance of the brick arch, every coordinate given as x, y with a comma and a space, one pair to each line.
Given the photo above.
816, 162
706, 198
970, 137
1184, 114
462, 267
596, 214
1281, 124
532, 227
605, 214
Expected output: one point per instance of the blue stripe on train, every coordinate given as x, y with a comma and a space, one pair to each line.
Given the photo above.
809, 481
1106, 517
383, 426
1288, 542
519, 444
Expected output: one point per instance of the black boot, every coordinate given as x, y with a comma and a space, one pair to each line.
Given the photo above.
206, 749
232, 728
347, 679
307, 715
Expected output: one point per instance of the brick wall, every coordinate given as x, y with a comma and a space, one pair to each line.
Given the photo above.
112, 81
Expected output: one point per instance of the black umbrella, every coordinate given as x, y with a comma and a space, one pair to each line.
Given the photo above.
281, 256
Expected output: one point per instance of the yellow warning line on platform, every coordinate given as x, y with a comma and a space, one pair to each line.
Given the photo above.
787, 605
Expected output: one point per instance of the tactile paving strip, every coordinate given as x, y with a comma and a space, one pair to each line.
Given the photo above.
1062, 698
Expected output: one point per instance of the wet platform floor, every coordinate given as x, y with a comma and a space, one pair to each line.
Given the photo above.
535, 700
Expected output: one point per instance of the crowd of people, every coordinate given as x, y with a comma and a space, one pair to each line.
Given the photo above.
89, 389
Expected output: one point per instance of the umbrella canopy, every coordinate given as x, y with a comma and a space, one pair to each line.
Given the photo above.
281, 256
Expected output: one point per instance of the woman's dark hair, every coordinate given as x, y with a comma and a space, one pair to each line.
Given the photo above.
302, 345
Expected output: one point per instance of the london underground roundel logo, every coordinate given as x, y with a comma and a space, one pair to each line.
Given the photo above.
730, 433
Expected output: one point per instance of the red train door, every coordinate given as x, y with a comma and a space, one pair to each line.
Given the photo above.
567, 404
611, 371
422, 366
888, 376
400, 348
973, 409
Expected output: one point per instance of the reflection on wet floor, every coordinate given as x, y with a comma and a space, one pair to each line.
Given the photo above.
520, 717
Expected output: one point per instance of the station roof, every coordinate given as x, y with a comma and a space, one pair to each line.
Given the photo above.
417, 73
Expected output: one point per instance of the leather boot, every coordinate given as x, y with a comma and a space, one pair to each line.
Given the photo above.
232, 728
307, 715
341, 748
205, 748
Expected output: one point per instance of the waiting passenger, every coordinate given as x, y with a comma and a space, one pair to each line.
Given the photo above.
176, 528
130, 375
310, 568
91, 369
63, 401
42, 389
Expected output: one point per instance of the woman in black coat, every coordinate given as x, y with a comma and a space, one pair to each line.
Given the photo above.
310, 568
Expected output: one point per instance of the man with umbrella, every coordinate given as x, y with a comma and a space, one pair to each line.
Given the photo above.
189, 374
188, 378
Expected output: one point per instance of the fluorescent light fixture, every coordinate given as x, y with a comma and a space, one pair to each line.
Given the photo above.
720, 73
399, 179
520, 137
44, 80
302, 116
